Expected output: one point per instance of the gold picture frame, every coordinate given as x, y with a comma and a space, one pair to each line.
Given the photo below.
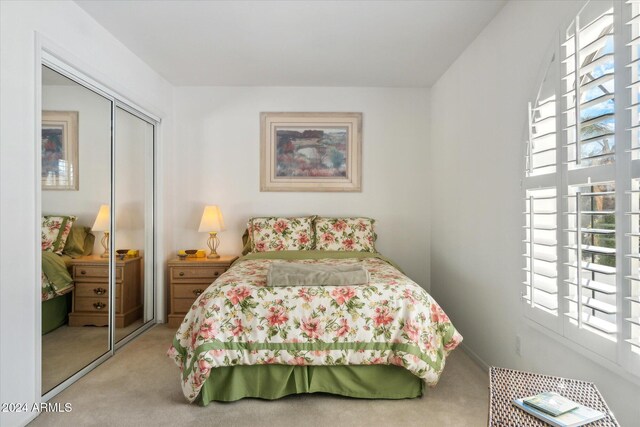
310, 151
59, 150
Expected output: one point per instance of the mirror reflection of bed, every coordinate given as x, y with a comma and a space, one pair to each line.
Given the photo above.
76, 235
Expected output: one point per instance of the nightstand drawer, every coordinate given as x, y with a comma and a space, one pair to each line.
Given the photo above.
186, 272
189, 278
182, 305
88, 289
192, 290
94, 272
94, 304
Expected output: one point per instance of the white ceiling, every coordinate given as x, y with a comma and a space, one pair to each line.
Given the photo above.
296, 43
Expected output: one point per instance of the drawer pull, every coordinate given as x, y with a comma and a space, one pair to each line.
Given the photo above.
99, 291
181, 273
83, 272
216, 273
197, 292
99, 305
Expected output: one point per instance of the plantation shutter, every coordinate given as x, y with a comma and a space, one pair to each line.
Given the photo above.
540, 243
541, 284
589, 79
631, 301
581, 185
592, 264
592, 258
541, 144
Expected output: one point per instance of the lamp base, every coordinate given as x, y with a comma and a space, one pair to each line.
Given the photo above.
213, 243
105, 245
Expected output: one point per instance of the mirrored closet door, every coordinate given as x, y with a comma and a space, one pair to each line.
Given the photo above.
98, 239
76, 194
134, 237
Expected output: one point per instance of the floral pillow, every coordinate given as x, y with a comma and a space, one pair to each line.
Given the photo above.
55, 231
345, 234
281, 234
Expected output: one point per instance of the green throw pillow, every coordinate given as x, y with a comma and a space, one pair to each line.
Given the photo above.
80, 239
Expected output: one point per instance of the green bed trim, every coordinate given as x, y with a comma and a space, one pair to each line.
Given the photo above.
230, 383
354, 346
58, 242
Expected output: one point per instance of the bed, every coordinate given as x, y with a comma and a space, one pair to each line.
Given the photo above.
57, 286
62, 241
241, 338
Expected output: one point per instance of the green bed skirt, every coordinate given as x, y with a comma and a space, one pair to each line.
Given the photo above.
227, 384
54, 312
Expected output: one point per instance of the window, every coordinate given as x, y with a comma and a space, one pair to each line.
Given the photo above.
581, 185
632, 320
591, 282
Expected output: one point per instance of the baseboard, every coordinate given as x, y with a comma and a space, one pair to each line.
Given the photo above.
472, 354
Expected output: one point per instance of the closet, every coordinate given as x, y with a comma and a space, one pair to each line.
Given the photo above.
97, 205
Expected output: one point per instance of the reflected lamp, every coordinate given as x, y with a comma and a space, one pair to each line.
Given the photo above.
103, 223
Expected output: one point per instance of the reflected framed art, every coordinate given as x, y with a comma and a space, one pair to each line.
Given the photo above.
59, 150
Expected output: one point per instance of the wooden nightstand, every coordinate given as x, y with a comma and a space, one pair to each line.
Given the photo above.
188, 279
91, 293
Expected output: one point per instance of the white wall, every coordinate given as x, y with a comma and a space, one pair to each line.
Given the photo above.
478, 126
216, 161
97, 52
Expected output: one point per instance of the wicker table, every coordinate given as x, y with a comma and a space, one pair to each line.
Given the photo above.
507, 384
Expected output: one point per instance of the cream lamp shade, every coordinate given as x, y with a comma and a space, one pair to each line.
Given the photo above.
103, 223
102, 220
211, 220
211, 223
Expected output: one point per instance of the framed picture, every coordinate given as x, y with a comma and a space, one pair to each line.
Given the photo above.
310, 151
59, 150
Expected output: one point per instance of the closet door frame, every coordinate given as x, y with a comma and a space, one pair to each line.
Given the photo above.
57, 59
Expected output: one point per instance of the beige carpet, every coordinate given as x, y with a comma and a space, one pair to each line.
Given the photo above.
140, 387
67, 349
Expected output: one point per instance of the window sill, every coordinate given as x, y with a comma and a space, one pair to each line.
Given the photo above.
630, 376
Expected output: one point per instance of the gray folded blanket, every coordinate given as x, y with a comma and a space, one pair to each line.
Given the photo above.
290, 274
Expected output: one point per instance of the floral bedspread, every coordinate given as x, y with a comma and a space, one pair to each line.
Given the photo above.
56, 279
240, 321
48, 292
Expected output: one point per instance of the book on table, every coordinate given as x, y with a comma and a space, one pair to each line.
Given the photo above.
550, 403
570, 414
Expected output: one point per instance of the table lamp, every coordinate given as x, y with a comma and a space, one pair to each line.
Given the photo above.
103, 223
212, 223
